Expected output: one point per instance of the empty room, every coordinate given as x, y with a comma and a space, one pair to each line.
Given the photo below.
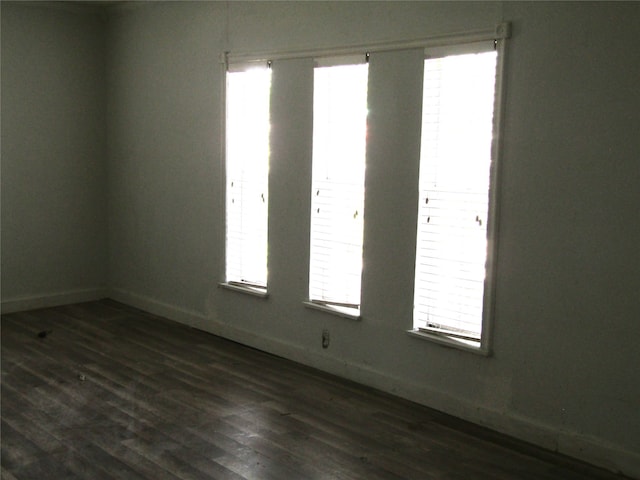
320, 240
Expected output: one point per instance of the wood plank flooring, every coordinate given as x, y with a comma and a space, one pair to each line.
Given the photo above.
110, 392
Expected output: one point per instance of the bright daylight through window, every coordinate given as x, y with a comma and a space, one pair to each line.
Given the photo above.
339, 143
455, 164
247, 173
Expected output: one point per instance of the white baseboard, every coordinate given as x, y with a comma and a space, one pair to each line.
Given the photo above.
31, 302
586, 448
601, 453
181, 315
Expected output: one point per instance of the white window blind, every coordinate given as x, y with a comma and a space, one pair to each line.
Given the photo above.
339, 143
455, 162
247, 173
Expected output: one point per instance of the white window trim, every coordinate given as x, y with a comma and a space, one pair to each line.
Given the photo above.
351, 310
344, 312
488, 305
227, 65
256, 291
448, 342
499, 33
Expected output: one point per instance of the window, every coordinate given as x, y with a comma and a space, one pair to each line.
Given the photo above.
454, 209
339, 144
247, 172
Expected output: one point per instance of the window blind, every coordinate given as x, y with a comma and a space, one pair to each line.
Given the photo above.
455, 164
247, 173
339, 142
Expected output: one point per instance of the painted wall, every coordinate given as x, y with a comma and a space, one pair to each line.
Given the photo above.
564, 373
54, 235
564, 370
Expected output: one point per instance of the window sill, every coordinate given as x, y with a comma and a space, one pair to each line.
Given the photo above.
451, 342
246, 289
345, 312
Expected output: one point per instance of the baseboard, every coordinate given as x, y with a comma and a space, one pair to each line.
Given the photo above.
31, 302
598, 452
166, 310
591, 450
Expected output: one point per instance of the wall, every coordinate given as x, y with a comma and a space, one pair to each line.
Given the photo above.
163, 134
563, 373
54, 236
564, 368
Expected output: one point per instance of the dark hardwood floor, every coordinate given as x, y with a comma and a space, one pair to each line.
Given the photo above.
104, 391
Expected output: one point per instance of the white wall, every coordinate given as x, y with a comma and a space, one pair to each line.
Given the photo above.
564, 371
54, 236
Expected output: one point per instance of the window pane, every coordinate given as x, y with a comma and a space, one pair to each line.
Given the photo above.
455, 160
247, 172
339, 142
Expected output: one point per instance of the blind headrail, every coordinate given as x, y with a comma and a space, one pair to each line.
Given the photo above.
499, 32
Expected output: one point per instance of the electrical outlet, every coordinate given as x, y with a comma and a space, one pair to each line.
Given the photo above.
325, 338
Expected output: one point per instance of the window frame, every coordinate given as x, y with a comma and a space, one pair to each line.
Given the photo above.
499, 33
488, 302
245, 287
343, 309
